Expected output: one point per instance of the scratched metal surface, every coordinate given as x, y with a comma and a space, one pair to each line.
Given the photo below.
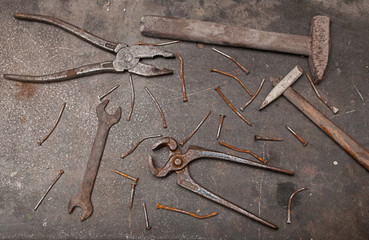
336, 204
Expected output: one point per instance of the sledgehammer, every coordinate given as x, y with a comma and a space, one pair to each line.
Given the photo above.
316, 46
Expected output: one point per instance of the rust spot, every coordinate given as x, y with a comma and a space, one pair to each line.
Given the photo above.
23, 119
71, 73
26, 90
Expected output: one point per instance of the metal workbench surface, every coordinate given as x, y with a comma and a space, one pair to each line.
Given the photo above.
336, 205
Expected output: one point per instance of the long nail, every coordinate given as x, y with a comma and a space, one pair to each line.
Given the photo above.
158, 106
253, 96
146, 217
182, 78
110, 91
234, 77
195, 130
231, 106
220, 125
159, 206
138, 143
47, 191
54, 126
297, 136
133, 185
125, 175
231, 58
257, 138
132, 98
289, 203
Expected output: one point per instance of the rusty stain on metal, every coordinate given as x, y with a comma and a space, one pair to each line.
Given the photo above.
297, 136
54, 126
83, 198
195, 130
234, 77
231, 58
334, 109
158, 106
316, 46
243, 151
132, 98
126, 175
231, 106
282, 86
138, 143
353, 148
258, 138
158, 44
289, 203
182, 78
253, 96
48, 190
159, 206
110, 91
221, 119
179, 162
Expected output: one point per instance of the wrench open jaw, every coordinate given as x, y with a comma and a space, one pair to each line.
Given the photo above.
179, 162
83, 198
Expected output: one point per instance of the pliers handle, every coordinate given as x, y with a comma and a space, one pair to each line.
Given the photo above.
127, 58
179, 162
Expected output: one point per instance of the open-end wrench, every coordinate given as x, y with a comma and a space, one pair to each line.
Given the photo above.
83, 198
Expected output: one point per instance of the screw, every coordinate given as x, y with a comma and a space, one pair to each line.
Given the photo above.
257, 137
47, 191
146, 217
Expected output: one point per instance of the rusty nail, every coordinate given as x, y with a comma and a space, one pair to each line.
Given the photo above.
133, 185
195, 130
47, 191
257, 137
289, 203
234, 77
138, 143
253, 96
297, 136
220, 125
158, 106
126, 175
182, 78
110, 91
132, 98
231, 58
243, 151
146, 217
52, 129
334, 109
158, 44
159, 206
231, 106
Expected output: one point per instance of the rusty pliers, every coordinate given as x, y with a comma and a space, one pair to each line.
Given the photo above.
127, 57
179, 162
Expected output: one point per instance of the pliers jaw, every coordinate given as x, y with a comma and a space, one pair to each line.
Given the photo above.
128, 58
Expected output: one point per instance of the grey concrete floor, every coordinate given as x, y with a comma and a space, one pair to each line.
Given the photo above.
334, 206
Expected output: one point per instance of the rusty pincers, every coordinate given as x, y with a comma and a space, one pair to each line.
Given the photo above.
179, 162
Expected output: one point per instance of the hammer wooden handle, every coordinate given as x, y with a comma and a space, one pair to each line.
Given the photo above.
338, 135
214, 33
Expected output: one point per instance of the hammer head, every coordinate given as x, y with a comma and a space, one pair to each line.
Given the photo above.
319, 46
